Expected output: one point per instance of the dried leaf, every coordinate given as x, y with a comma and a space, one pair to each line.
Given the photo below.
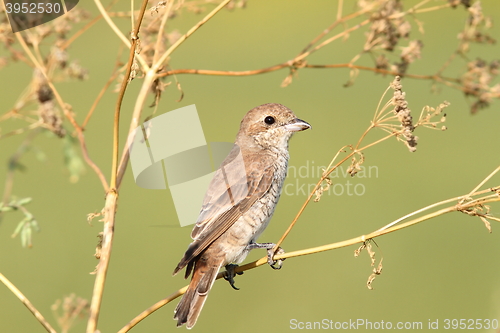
486, 223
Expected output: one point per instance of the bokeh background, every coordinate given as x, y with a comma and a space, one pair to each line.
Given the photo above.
445, 268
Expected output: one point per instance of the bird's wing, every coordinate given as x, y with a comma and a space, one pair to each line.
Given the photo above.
228, 187
230, 194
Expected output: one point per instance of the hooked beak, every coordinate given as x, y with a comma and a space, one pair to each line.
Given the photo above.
297, 125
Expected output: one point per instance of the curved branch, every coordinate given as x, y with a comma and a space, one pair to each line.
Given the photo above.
449, 81
360, 239
27, 303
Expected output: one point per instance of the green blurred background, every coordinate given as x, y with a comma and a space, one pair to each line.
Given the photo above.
447, 267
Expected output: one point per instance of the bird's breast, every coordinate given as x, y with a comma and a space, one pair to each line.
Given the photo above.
255, 220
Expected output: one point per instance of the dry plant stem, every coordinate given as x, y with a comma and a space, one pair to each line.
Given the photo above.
161, 30
149, 78
152, 309
112, 194
326, 174
89, 161
450, 82
111, 24
289, 64
34, 125
34, 44
27, 303
121, 94
38, 65
132, 14
189, 33
18, 55
364, 135
226, 73
374, 143
430, 9
460, 199
77, 34
340, 5
349, 242
334, 25
304, 205
360, 239
116, 72
318, 249
331, 39
117, 175
102, 267
117, 31
80, 32
480, 184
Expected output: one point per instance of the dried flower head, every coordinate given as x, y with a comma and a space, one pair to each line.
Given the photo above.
51, 118
395, 116
475, 28
429, 113
455, 3
477, 82
356, 164
409, 54
404, 114
376, 271
159, 5
47, 111
323, 188
68, 311
387, 27
60, 56
75, 70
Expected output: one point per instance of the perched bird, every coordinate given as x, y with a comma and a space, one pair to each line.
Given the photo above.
238, 205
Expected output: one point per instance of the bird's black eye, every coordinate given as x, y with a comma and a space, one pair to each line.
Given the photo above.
269, 120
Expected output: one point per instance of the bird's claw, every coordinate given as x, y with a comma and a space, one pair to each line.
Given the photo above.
275, 264
229, 275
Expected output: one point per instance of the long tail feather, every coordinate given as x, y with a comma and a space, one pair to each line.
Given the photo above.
189, 308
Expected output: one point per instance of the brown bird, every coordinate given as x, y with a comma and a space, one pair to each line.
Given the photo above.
238, 205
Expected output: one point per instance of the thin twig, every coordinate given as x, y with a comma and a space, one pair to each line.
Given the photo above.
308, 200
117, 31
115, 74
152, 309
289, 64
121, 94
86, 157
480, 184
189, 33
226, 73
102, 267
151, 75
87, 26
81, 139
159, 39
32, 126
39, 66
336, 23
112, 194
325, 175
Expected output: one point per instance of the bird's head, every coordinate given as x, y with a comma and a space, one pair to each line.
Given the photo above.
269, 126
